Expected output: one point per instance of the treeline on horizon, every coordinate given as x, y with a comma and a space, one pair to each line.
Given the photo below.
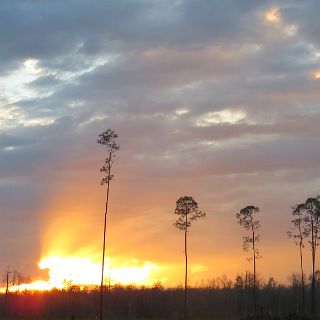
219, 298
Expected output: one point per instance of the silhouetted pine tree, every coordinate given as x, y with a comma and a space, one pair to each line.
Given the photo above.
301, 233
108, 140
187, 210
247, 218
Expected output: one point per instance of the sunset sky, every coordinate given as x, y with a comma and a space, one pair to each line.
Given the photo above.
219, 100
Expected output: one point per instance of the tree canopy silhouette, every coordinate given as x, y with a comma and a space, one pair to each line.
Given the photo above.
247, 219
301, 232
108, 140
312, 229
187, 211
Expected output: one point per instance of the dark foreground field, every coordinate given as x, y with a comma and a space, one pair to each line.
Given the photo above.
229, 301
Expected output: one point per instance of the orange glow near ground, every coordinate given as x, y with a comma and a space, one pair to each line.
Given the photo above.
39, 285
83, 272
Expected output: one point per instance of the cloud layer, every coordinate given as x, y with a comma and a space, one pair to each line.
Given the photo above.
218, 100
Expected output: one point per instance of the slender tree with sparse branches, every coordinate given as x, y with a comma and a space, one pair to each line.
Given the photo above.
312, 227
187, 210
247, 219
108, 140
298, 212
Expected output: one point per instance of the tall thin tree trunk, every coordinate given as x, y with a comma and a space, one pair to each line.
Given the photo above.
246, 294
254, 274
302, 277
7, 294
104, 240
316, 228
186, 273
313, 287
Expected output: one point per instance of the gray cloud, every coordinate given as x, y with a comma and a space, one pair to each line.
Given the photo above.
160, 73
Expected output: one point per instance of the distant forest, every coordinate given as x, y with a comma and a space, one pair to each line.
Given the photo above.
219, 298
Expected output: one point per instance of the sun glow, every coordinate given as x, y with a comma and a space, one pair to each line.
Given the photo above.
316, 75
83, 271
66, 271
273, 15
